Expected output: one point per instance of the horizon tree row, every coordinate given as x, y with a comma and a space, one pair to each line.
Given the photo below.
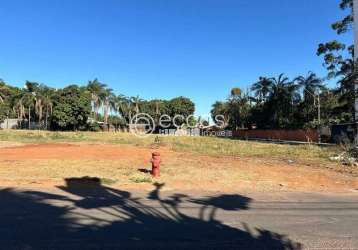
278, 102
81, 107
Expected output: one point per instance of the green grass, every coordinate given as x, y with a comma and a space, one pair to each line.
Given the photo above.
228, 147
140, 178
107, 181
35, 136
200, 145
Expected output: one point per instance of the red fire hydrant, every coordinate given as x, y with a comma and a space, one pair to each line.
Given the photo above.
156, 164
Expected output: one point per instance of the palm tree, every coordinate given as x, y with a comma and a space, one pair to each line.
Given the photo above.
18, 105
47, 96
29, 97
262, 88
283, 90
96, 89
39, 97
282, 100
136, 101
4, 91
278, 84
39, 106
128, 106
157, 110
124, 107
310, 84
28, 100
108, 103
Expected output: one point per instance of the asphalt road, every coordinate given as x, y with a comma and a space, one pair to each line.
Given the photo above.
97, 217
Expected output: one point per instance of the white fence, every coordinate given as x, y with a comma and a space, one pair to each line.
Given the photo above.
11, 124
20, 124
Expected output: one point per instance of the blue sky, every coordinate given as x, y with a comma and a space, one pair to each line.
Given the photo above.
163, 48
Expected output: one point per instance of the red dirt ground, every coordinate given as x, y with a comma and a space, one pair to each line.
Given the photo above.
70, 152
277, 173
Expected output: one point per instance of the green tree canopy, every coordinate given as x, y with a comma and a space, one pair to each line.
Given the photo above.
72, 108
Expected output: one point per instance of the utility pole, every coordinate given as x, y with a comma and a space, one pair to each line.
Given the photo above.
355, 71
29, 117
319, 117
317, 96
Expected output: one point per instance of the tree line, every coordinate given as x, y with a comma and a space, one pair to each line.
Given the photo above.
304, 101
82, 107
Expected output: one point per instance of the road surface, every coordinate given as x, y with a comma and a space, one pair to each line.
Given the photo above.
98, 217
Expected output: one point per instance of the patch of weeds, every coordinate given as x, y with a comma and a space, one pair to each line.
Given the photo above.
56, 136
107, 181
127, 173
158, 141
349, 156
80, 136
139, 178
33, 136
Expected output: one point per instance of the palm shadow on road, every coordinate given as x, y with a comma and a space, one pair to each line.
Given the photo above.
93, 216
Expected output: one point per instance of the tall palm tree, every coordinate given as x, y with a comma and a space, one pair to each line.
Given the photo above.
39, 106
278, 84
18, 105
38, 97
96, 89
125, 107
29, 97
47, 99
310, 84
4, 91
136, 101
282, 100
283, 90
28, 100
108, 100
262, 88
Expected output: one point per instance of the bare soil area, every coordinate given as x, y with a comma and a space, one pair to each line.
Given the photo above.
124, 165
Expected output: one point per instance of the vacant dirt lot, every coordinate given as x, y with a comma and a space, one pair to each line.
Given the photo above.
123, 165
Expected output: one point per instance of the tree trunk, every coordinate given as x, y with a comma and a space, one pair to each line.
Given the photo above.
29, 117
95, 113
46, 122
105, 111
40, 113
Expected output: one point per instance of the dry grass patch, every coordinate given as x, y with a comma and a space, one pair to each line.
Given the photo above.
200, 145
187, 162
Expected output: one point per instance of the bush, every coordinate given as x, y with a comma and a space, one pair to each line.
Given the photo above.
94, 127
